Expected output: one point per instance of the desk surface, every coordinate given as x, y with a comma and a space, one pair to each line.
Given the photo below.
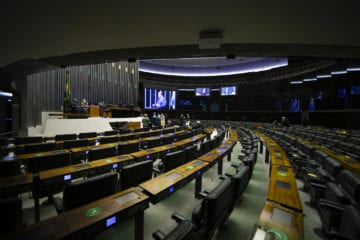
283, 188
16, 181
112, 160
282, 221
168, 179
84, 216
56, 172
38, 154
94, 147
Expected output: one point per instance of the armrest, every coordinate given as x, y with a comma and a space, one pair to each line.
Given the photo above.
178, 218
318, 186
158, 235
228, 175
222, 177
58, 204
203, 194
235, 165
156, 170
339, 235
333, 205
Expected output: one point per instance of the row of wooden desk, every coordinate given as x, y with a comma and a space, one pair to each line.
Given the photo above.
348, 162
97, 216
282, 213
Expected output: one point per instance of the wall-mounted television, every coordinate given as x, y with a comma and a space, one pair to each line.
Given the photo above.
228, 91
295, 105
341, 93
202, 91
355, 90
159, 99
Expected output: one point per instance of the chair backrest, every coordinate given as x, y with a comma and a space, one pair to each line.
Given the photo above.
62, 137
172, 160
128, 148
332, 166
109, 133
153, 143
100, 153
215, 207
134, 174
75, 143
351, 184
11, 212
28, 140
319, 156
87, 135
91, 189
39, 147
111, 139
45, 162
10, 168
350, 222
240, 181
191, 153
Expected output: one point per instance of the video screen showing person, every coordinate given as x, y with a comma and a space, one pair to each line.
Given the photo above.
228, 91
202, 91
295, 105
159, 99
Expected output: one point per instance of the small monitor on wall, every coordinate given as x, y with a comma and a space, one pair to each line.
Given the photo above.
228, 91
202, 91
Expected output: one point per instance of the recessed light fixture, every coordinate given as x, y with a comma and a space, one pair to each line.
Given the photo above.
296, 82
324, 76
338, 72
353, 69
309, 79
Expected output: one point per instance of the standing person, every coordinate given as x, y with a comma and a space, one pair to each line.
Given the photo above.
162, 120
145, 121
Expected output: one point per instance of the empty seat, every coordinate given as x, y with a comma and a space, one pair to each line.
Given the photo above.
28, 140
134, 174
85, 191
10, 168
75, 143
87, 135
63, 137
110, 133
339, 222
212, 211
183, 230
111, 139
39, 147
11, 214
45, 162
100, 153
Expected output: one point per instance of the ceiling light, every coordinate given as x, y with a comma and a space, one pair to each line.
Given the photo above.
309, 79
353, 69
324, 76
296, 82
338, 72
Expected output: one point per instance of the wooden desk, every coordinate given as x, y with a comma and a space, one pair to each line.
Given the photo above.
105, 165
94, 218
16, 184
282, 221
150, 153
53, 228
278, 157
283, 188
191, 140
32, 155
163, 185
67, 173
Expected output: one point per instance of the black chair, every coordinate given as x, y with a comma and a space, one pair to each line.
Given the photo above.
339, 222
28, 140
75, 143
191, 153
63, 137
87, 135
100, 153
134, 174
128, 148
45, 162
110, 133
240, 181
85, 191
39, 147
111, 139
170, 160
11, 214
183, 230
345, 191
213, 210
10, 168
322, 174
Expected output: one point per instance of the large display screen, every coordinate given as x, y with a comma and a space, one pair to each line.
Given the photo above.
228, 91
159, 99
202, 91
